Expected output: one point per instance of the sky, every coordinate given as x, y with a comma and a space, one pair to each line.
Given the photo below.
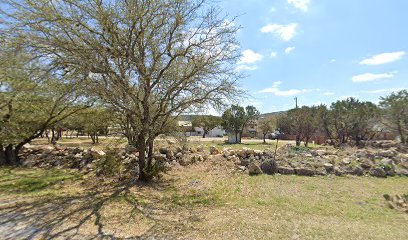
320, 51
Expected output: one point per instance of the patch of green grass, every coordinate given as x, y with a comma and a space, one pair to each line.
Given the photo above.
25, 181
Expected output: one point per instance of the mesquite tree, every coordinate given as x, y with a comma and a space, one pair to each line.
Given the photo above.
32, 101
267, 125
206, 122
301, 122
149, 60
395, 113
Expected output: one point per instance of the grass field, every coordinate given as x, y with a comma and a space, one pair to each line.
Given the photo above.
203, 201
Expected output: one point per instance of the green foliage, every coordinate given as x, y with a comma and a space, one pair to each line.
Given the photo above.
236, 118
207, 122
395, 113
302, 122
351, 119
32, 98
109, 165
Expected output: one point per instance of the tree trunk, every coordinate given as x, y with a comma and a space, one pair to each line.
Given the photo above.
150, 154
9, 156
401, 133
141, 145
204, 134
2, 156
306, 142
93, 138
52, 135
297, 141
264, 137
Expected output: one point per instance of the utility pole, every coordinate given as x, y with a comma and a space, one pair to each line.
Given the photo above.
296, 102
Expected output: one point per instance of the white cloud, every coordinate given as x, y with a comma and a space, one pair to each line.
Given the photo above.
368, 77
249, 56
383, 58
274, 54
333, 60
277, 92
328, 93
383, 90
245, 68
300, 4
289, 50
285, 32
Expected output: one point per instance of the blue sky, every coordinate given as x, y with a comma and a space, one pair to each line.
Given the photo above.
320, 50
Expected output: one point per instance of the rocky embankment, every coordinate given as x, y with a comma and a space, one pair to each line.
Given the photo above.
375, 161
322, 161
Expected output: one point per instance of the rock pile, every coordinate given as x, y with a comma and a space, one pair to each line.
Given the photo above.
304, 162
46, 156
289, 160
399, 202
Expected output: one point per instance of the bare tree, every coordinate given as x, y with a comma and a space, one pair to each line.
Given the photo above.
150, 60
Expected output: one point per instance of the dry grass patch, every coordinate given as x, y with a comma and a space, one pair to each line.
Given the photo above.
209, 200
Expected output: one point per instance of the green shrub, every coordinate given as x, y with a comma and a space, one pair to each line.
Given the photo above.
109, 165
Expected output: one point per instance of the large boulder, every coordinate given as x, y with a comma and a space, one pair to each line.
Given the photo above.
386, 161
160, 157
401, 172
245, 162
163, 150
269, 167
254, 169
329, 167
286, 170
358, 171
387, 153
214, 150
378, 172
305, 172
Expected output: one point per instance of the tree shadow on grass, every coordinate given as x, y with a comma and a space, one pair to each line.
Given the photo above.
64, 217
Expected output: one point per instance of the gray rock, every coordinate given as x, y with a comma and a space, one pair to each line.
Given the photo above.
160, 157
329, 167
346, 161
170, 154
386, 161
254, 169
338, 171
320, 171
286, 170
163, 150
269, 167
401, 172
378, 172
366, 164
305, 172
242, 168
245, 162
214, 150
179, 155
387, 153
358, 171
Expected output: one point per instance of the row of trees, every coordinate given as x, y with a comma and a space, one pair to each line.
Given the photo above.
147, 61
348, 121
